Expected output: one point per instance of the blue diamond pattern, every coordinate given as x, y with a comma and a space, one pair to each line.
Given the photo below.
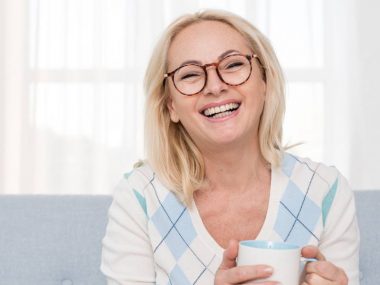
284, 222
186, 228
297, 216
176, 244
172, 206
178, 277
161, 221
299, 235
293, 197
310, 214
173, 222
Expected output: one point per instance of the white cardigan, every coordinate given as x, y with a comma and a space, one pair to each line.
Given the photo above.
152, 238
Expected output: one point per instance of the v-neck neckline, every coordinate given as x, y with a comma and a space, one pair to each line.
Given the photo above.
264, 233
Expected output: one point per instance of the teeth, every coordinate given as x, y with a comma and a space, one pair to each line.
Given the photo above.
220, 109
221, 115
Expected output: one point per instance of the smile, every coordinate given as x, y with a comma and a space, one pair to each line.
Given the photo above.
221, 111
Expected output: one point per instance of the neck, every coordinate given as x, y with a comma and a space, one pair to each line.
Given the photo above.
236, 169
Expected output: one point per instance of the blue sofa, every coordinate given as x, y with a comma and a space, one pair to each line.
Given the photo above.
56, 240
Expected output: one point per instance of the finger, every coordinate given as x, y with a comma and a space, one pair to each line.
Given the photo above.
327, 270
253, 282
243, 274
229, 255
311, 251
315, 279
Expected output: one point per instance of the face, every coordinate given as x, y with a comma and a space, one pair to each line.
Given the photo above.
209, 42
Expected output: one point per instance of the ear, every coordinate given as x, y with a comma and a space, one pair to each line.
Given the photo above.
172, 111
264, 89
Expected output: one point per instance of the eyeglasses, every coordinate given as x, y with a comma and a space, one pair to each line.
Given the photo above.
233, 70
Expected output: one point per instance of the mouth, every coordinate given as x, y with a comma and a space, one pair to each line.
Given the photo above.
221, 111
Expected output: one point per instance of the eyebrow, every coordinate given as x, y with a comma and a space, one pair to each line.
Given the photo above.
224, 54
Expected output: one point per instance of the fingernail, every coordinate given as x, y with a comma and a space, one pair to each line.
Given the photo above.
268, 269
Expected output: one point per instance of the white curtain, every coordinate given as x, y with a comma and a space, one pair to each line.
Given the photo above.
71, 100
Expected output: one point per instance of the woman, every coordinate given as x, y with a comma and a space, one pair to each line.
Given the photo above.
216, 171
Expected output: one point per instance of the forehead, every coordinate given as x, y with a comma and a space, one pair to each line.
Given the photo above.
204, 42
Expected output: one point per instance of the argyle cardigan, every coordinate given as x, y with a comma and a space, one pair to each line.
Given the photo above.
152, 238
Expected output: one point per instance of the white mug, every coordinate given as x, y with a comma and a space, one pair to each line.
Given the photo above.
284, 258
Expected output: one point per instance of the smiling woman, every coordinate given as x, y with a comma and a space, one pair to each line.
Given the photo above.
240, 127
217, 173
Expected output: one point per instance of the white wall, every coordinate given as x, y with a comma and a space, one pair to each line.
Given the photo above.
365, 105
1, 91
352, 107
13, 88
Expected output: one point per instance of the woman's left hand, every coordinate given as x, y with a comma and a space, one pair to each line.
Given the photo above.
321, 272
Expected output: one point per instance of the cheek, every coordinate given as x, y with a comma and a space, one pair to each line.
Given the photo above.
254, 90
260, 87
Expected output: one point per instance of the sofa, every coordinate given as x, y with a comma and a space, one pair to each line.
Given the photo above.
56, 240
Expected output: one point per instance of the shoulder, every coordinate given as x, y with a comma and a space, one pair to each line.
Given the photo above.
321, 183
136, 182
138, 178
142, 186
308, 173
314, 187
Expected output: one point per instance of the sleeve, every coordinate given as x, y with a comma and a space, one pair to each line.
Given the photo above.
340, 240
127, 256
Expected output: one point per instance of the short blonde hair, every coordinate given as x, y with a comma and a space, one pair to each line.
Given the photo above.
170, 150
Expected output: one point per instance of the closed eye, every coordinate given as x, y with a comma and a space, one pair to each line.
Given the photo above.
189, 75
234, 65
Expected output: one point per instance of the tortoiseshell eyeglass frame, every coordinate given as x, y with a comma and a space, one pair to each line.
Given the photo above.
216, 65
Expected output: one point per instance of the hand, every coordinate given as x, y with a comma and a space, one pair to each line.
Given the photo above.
228, 273
321, 272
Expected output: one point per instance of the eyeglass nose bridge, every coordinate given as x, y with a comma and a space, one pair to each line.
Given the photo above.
215, 64
206, 67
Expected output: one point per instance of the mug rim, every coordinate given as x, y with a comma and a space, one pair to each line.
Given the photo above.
264, 244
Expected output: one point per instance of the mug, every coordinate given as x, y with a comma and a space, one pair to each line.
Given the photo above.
284, 258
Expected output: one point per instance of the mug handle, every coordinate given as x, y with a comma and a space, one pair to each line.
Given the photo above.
304, 259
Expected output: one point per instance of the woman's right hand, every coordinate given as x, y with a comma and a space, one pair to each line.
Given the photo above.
229, 274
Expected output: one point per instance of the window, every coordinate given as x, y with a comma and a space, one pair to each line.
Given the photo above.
82, 119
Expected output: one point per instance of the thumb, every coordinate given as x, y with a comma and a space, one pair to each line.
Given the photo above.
229, 255
311, 251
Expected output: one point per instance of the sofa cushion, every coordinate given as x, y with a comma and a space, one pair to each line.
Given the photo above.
52, 240
368, 211
56, 240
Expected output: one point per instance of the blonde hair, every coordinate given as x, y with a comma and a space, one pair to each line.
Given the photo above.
170, 150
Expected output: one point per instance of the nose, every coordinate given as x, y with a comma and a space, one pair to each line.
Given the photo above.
214, 84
